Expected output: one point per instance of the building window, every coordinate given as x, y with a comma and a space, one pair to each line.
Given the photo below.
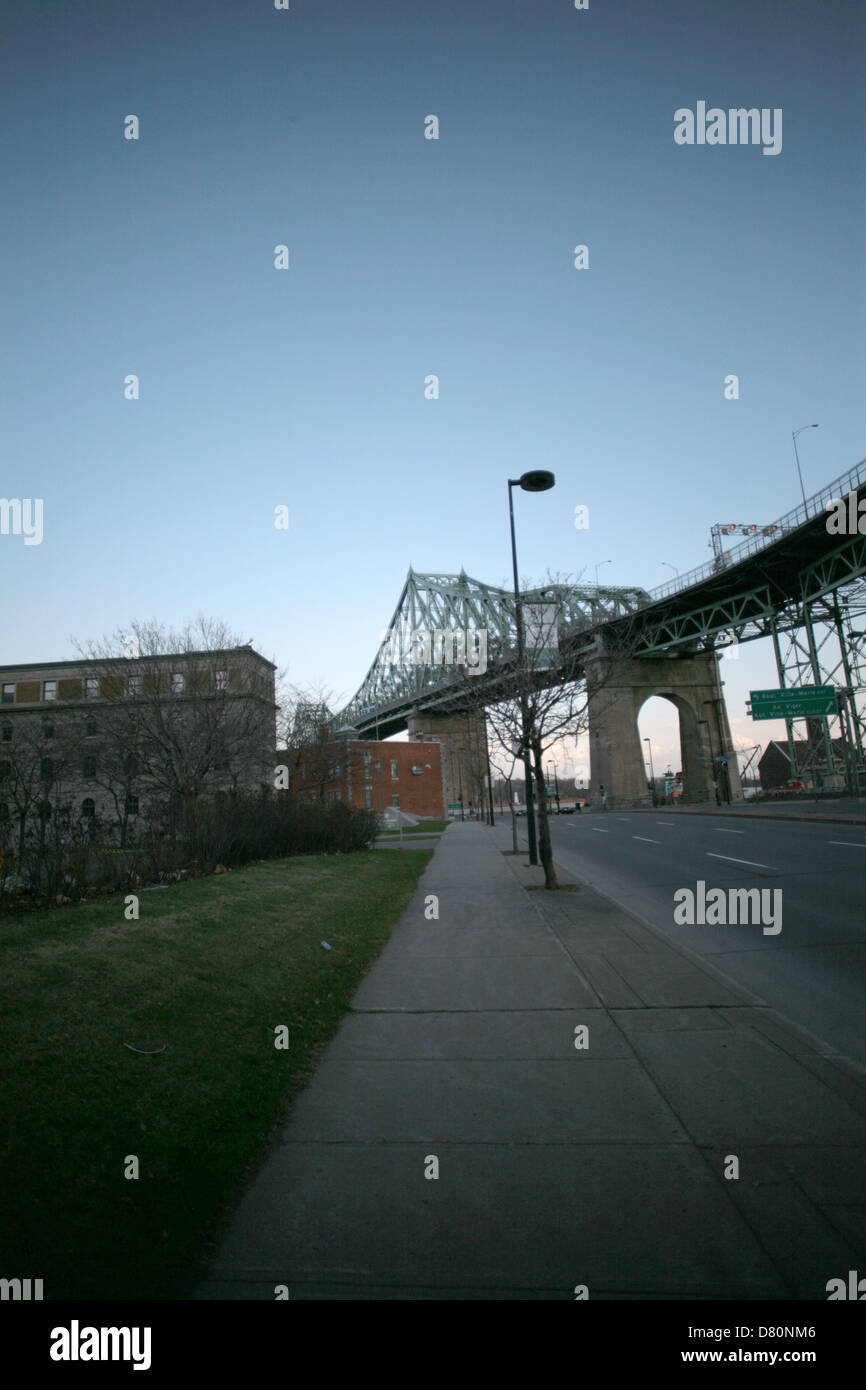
133, 685
49, 690
88, 808
334, 794
88, 765
46, 769
221, 679
395, 801
91, 688
5, 771
4, 811
368, 798
177, 683
368, 758
45, 810
132, 805
9, 692
394, 773
7, 733
90, 726
47, 730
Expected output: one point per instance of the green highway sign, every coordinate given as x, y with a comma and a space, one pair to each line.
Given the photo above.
800, 702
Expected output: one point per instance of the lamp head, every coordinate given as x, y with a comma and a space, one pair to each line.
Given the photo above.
537, 480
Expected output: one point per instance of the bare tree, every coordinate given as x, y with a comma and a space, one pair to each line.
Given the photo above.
316, 755
184, 714
534, 704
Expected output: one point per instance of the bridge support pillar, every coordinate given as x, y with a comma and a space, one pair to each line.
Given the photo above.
463, 746
618, 690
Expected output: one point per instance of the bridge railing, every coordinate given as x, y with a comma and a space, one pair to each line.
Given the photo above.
814, 506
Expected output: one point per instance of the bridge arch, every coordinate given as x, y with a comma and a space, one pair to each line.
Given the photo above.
618, 691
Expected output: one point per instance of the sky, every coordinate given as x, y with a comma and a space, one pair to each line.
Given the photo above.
304, 387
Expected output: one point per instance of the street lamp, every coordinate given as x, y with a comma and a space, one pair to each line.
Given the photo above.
537, 480
598, 567
669, 566
794, 434
652, 773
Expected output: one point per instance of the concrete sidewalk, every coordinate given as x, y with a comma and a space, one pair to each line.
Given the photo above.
558, 1167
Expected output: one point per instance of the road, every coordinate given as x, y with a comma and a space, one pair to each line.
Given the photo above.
814, 970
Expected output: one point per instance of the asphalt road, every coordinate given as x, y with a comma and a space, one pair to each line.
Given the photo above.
814, 970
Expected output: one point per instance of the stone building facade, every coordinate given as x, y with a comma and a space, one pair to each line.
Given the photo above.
103, 737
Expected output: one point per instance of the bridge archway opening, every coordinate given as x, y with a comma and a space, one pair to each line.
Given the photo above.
678, 739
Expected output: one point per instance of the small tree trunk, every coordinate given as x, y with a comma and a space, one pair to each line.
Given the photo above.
544, 847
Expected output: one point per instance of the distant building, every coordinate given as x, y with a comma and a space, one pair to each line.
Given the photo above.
101, 737
774, 768
371, 775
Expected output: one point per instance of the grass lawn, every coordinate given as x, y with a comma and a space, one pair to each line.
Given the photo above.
211, 968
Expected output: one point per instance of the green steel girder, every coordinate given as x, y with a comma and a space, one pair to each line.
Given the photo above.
403, 676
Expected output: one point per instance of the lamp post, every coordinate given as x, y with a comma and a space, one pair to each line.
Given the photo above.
669, 566
537, 480
652, 773
794, 434
598, 567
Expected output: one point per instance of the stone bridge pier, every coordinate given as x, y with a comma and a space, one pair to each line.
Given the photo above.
618, 690
463, 748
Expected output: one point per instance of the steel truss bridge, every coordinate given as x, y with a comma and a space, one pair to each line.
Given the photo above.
802, 587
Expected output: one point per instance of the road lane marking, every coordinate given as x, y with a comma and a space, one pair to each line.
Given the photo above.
751, 862
624, 818
645, 840
719, 831
598, 830
854, 844
665, 822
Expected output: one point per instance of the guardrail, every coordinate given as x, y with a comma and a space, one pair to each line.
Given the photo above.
814, 506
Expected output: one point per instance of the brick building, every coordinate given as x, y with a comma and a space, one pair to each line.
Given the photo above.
364, 773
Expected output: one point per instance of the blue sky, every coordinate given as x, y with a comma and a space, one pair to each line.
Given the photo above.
408, 257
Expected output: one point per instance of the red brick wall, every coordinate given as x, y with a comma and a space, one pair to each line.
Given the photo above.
420, 793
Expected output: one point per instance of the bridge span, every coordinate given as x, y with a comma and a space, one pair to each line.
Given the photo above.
801, 585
